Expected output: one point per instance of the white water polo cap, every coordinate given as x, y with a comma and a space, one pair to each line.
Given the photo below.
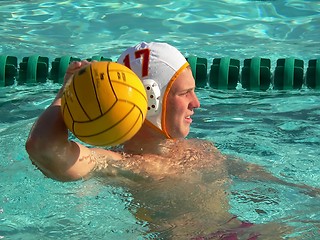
157, 65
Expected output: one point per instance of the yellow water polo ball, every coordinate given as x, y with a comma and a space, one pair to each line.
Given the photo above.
104, 104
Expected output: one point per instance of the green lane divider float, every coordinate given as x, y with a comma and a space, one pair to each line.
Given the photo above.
288, 74
313, 74
8, 70
33, 69
256, 74
224, 73
199, 68
59, 68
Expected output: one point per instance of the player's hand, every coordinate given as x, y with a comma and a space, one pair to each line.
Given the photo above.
74, 67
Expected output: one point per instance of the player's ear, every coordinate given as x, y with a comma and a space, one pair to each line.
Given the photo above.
153, 95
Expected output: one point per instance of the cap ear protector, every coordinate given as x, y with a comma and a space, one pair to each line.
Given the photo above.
153, 94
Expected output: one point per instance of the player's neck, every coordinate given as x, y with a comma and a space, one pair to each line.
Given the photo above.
146, 140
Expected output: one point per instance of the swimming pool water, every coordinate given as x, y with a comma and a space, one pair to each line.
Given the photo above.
278, 130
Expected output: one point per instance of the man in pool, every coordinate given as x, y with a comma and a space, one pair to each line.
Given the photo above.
180, 185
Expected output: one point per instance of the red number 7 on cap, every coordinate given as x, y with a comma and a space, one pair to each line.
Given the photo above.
142, 53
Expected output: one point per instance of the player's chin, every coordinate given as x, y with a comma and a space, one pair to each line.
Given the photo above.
185, 131
181, 133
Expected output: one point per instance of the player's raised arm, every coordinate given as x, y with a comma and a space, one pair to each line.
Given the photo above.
48, 145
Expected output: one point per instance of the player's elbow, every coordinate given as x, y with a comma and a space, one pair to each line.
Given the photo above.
43, 156
33, 147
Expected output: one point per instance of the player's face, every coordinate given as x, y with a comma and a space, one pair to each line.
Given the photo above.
180, 103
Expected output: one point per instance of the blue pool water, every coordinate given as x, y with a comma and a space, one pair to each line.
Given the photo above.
279, 130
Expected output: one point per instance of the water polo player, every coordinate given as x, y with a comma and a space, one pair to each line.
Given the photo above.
180, 185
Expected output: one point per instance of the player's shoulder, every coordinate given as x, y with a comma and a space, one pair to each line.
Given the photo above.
195, 143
